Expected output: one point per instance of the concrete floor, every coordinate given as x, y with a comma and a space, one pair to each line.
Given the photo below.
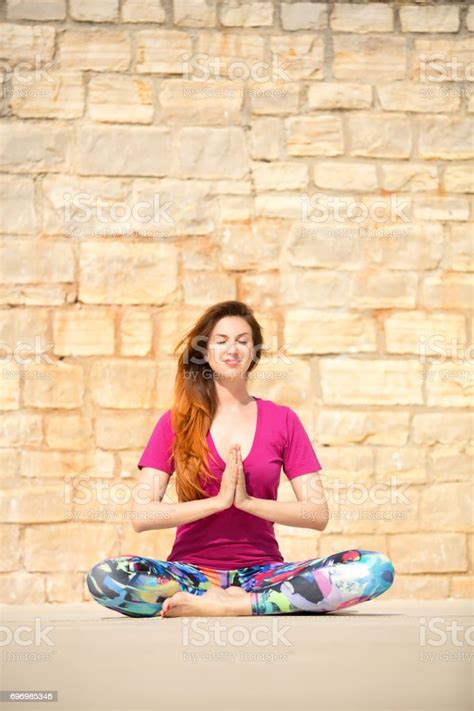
397, 655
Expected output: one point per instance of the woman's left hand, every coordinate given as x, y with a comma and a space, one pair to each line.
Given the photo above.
241, 497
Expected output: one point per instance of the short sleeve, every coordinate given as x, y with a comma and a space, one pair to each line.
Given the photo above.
157, 453
299, 456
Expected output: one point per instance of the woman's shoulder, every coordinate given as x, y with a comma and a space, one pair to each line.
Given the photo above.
164, 422
277, 410
165, 416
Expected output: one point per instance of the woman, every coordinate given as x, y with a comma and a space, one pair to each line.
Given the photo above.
227, 449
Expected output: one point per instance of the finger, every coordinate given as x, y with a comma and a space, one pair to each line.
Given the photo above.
231, 458
238, 466
233, 463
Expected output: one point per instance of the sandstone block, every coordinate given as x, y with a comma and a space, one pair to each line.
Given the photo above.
83, 332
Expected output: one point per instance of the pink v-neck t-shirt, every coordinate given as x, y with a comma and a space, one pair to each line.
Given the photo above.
233, 538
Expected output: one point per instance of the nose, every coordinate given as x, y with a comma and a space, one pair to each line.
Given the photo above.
233, 351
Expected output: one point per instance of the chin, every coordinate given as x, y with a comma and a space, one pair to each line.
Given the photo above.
232, 372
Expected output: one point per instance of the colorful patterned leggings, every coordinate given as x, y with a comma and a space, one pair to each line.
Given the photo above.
137, 586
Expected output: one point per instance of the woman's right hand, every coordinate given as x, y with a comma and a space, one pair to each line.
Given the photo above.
229, 479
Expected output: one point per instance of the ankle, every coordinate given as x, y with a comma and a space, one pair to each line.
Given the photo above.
238, 605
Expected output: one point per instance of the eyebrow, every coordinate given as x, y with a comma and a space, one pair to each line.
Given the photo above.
223, 335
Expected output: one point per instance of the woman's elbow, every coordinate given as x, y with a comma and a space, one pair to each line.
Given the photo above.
324, 520
136, 523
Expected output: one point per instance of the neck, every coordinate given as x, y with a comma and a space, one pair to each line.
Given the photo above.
232, 395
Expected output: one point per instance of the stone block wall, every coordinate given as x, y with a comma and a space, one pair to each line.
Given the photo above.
313, 159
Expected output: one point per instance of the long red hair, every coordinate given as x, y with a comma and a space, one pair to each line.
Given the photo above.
195, 398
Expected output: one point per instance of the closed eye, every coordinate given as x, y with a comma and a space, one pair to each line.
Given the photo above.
244, 343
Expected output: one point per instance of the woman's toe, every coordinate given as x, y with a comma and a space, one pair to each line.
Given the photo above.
179, 598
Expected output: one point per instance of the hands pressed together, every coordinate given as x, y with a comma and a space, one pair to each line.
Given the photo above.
233, 490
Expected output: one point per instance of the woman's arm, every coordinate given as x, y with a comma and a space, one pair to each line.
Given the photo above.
310, 511
149, 512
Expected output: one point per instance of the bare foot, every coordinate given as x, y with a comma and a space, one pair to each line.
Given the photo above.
234, 590
215, 602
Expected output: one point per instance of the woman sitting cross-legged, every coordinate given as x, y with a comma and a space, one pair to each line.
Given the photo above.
227, 449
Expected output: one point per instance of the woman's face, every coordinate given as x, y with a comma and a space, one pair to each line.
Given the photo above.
230, 347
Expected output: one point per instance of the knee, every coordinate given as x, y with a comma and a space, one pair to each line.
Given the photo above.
97, 566
384, 569
95, 577
389, 571
91, 583
379, 564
